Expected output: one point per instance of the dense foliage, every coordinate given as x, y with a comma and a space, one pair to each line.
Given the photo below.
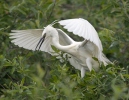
29, 75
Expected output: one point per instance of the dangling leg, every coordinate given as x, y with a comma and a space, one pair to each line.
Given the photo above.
83, 72
89, 64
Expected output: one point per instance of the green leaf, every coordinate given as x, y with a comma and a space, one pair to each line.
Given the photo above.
55, 49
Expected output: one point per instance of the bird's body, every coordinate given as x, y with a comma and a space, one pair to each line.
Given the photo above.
80, 51
80, 54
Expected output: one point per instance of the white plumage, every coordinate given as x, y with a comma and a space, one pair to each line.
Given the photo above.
82, 28
80, 53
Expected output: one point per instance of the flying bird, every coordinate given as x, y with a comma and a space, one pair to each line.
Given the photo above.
80, 54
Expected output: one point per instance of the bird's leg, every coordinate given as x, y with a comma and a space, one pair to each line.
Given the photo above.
83, 72
84, 42
89, 64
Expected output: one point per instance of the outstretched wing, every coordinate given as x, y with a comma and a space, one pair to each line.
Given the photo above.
27, 39
83, 28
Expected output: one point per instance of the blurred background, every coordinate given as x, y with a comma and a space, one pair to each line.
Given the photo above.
29, 75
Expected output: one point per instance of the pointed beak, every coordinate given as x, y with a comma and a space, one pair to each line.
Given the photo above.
40, 42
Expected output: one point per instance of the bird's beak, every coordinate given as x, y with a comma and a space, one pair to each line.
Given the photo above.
40, 42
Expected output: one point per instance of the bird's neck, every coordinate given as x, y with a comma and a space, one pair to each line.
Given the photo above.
56, 43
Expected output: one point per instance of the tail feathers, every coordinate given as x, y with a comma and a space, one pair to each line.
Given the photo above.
105, 60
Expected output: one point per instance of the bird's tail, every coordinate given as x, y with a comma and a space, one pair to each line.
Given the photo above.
105, 60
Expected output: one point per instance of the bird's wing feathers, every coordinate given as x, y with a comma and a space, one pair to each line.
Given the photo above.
27, 39
83, 28
64, 39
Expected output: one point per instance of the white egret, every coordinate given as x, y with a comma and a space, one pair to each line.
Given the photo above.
80, 54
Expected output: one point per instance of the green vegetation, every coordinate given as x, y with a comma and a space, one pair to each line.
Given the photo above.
29, 75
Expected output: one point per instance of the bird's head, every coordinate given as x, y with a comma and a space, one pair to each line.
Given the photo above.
48, 31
